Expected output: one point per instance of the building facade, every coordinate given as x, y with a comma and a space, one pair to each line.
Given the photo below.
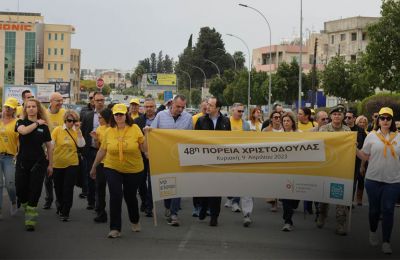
75, 73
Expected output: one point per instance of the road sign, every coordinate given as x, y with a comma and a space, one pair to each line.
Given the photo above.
100, 83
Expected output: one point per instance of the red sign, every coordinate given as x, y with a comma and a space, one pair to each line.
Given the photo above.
15, 27
100, 83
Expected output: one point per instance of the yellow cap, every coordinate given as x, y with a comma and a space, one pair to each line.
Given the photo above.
11, 102
119, 108
386, 110
135, 100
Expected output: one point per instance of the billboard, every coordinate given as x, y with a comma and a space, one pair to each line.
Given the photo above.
64, 88
15, 91
161, 79
44, 90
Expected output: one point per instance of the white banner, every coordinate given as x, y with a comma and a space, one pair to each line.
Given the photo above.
303, 151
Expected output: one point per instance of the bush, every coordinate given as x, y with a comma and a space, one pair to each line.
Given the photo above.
373, 103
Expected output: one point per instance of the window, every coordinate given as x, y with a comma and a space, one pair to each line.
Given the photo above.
9, 58
55, 66
30, 58
342, 37
55, 36
49, 36
62, 51
364, 36
48, 51
48, 66
55, 51
354, 36
332, 39
62, 36
61, 66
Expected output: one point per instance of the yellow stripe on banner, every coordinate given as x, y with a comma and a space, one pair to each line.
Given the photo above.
339, 150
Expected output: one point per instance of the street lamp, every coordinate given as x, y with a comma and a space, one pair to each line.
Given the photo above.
205, 79
215, 64
270, 54
249, 70
190, 87
301, 52
233, 58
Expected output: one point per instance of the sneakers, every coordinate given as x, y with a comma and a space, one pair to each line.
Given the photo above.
228, 203
114, 234
341, 230
136, 227
386, 248
287, 227
373, 238
173, 221
64, 218
321, 221
213, 222
246, 221
236, 208
13, 209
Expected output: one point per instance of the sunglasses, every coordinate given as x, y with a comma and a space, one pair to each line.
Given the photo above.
241, 111
276, 117
324, 119
349, 117
119, 114
99, 100
71, 120
385, 118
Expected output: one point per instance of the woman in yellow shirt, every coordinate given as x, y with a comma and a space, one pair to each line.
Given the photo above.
8, 149
121, 150
66, 139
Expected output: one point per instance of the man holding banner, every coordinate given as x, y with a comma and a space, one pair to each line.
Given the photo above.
213, 120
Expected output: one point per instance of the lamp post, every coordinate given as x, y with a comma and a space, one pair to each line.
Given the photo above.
249, 70
190, 87
215, 64
270, 54
301, 52
205, 79
233, 58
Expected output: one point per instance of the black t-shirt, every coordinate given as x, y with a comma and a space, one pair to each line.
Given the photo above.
30, 145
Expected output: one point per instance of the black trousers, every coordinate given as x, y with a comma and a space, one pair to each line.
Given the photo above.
48, 185
90, 155
288, 208
64, 183
29, 176
101, 185
212, 203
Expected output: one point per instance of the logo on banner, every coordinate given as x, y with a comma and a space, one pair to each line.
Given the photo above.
337, 191
290, 185
167, 186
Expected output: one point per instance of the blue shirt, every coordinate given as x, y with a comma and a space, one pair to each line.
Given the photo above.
165, 120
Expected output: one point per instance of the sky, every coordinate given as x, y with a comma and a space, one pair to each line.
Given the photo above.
116, 34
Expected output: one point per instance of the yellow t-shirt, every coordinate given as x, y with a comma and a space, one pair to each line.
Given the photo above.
19, 111
8, 138
132, 161
134, 116
306, 127
100, 131
65, 153
236, 125
196, 117
56, 119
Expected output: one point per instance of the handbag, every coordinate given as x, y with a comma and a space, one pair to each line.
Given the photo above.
81, 165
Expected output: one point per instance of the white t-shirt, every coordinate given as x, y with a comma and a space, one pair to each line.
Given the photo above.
381, 168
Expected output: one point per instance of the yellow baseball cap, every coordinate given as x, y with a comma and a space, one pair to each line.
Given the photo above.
386, 110
11, 102
119, 109
135, 100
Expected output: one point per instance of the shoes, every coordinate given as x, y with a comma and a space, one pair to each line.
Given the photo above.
287, 227
30, 228
142, 207
102, 218
228, 203
213, 222
341, 230
64, 218
196, 212
149, 214
136, 227
236, 208
321, 221
167, 213
246, 221
13, 209
114, 234
386, 248
90, 207
83, 195
373, 238
47, 205
173, 221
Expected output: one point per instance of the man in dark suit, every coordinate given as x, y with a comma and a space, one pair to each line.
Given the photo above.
90, 122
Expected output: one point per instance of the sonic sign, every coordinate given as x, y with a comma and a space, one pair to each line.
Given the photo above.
15, 27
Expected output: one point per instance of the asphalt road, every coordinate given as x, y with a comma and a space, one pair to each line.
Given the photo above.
81, 238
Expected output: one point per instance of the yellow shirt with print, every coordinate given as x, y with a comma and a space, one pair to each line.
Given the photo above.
65, 153
306, 127
100, 131
132, 161
56, 119
196, 117
236, 124
8, 138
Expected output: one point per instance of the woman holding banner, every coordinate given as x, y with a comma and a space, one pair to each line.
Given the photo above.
289, 125
382, 181
121, 148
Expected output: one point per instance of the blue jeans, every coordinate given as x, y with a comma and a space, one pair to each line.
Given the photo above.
7, 169
382, 198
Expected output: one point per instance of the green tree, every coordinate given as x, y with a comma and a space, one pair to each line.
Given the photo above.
240, 59
145, 64
196, 97
217, 87
168, 64
153, 63
383, 50
160, 63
